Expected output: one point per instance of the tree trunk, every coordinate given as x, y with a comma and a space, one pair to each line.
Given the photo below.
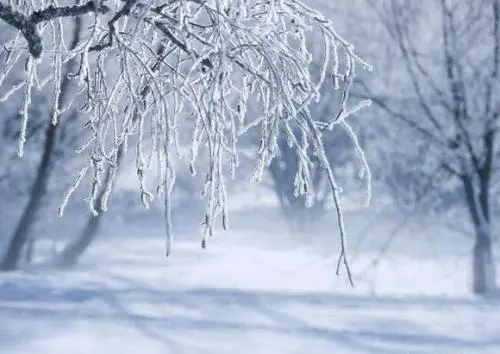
74, 250
25, 224
483, 262
483, 270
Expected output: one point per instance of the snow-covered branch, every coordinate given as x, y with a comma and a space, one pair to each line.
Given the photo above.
217, 58
27, 24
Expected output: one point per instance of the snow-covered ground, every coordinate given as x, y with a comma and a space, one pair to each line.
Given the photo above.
246, 293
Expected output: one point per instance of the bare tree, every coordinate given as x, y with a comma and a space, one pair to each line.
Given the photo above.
215, 53
447, 94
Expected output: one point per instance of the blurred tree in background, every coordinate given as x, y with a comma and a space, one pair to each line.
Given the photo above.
443, 98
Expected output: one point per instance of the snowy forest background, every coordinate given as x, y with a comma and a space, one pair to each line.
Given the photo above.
423, 253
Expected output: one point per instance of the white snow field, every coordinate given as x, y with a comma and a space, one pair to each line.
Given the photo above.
244, 294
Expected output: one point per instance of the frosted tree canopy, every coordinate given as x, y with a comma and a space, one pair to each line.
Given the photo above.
144, 69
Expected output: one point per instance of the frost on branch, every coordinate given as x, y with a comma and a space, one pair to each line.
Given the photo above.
148, 68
